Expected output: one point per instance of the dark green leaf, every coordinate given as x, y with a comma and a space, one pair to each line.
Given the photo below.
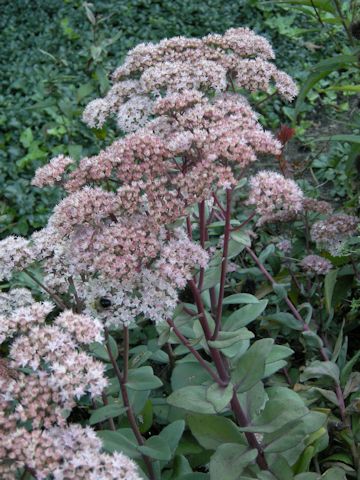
211, 431
250, 367
106, 412
244, 316
229, 461
143, 378
156, 447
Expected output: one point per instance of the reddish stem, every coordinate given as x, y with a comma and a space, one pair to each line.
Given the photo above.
188, 225
250, 437
216, 200
224, 263
221, 367
111, 420
196, 354
202, 224
244, 223
129, 410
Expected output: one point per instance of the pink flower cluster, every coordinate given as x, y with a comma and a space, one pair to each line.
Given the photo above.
284, 246
62, 454
332, 233
318, 206
316, 264
215, 62
149, 293
174, 263
59, 374
53, 172
112, 247
15, 255
275, 197
189, 136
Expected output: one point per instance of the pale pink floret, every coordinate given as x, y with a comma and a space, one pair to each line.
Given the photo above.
96, 112
89, 205
53, 172
276, 198
15, 298
23, 318
15, 254
284, 246
148, 295
83, 328
318, 206
257, 74
178, 257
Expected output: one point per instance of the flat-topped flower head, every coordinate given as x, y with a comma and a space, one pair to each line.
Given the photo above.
214, 63
316, 264
276, 198
318, 206
332, 233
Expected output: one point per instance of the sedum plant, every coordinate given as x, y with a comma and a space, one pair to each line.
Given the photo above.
137, 347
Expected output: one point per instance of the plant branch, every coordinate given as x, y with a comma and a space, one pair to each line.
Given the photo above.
224, 264
343, 21
196, 354
250, 437
245, 222
129, 410
221, 367
202, 225
126, 354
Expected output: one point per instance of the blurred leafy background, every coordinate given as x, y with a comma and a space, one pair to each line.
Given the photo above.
57, 55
